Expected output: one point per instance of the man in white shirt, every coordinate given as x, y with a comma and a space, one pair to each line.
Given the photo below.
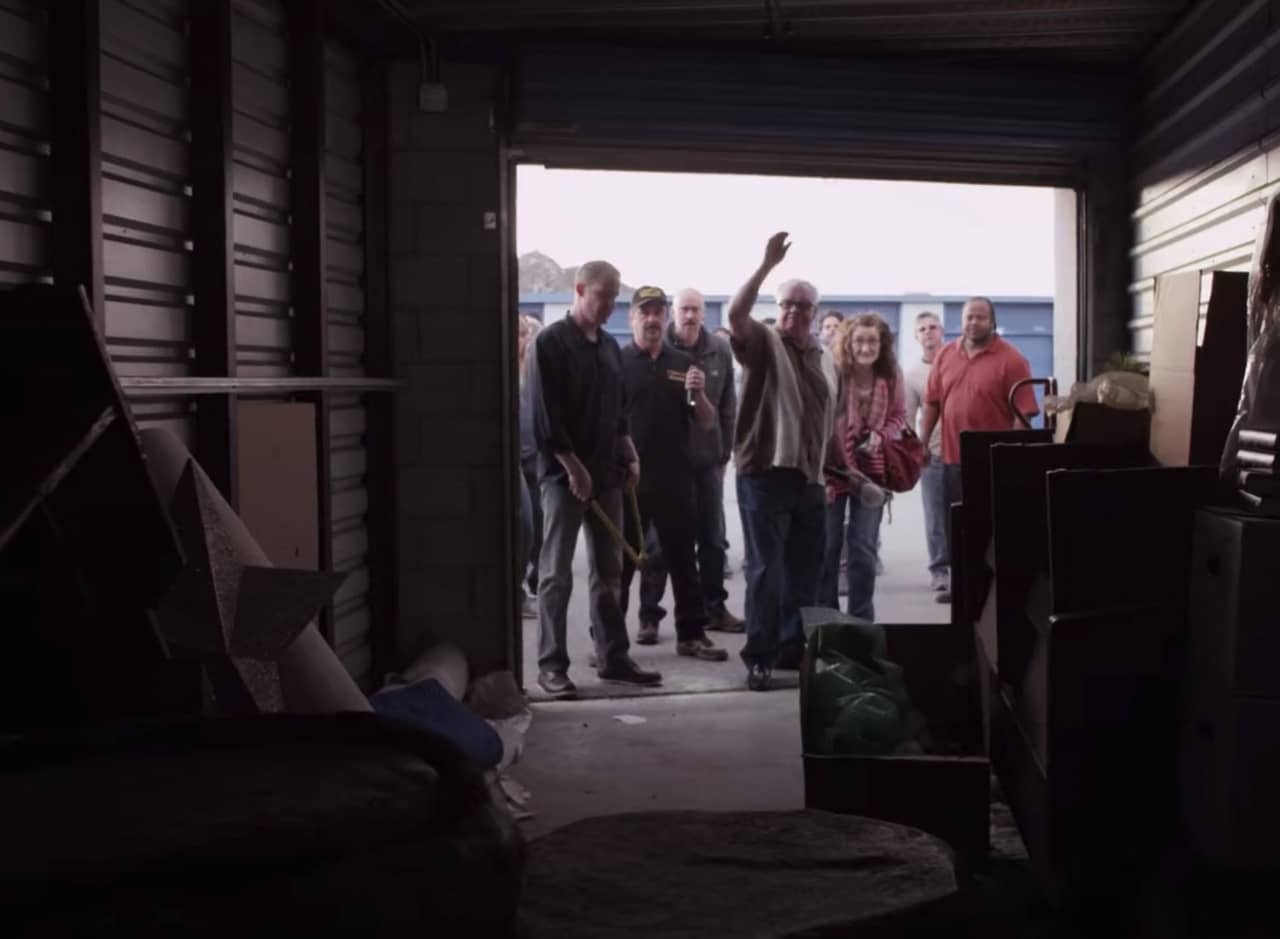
933, 491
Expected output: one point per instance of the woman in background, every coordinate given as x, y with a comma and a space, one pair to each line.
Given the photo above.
869, 410
528, 330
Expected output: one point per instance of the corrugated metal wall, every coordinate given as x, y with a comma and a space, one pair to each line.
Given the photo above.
348, 418
260, 138
804, 115
24, 143
145, 111
1207, 154
146, 204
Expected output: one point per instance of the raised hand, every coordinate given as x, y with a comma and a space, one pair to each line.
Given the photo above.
776, 250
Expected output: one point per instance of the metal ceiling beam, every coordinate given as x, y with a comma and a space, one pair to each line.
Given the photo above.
900, 25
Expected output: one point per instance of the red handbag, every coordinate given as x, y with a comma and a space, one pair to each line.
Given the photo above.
903, 461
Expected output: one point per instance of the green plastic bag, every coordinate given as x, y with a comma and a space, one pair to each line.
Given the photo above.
857, 701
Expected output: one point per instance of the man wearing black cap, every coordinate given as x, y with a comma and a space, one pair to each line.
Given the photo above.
709, 452
666, 395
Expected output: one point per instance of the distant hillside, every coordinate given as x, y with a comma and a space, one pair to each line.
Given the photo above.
541, 274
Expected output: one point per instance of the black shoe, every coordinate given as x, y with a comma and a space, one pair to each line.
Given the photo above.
557, 684
758, 678
789, 660
647, 634
627, 672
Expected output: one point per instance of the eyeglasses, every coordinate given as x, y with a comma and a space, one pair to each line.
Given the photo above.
800, 305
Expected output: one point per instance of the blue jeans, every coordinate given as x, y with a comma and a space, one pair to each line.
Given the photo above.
782, 526
933, 495
862, 536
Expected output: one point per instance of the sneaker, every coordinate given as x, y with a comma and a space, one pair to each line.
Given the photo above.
758, 678
942, 596
557, 684
702, 648
939, 582
529, 608
725, 622
647, 634
628, 672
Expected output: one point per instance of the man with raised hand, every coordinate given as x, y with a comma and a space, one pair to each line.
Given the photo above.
785, 415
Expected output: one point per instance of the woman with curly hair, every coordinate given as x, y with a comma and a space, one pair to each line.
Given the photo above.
870, 409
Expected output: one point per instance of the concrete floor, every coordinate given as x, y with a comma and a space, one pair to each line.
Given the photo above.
704, 742
721, 752
700, 742
902, 596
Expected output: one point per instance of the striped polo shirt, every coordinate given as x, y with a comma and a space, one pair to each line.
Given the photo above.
786, 408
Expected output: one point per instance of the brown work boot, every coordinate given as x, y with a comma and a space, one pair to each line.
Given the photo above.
725, 622
647, 634
702, 648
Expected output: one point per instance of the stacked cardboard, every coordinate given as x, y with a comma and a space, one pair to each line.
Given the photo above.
1196, 364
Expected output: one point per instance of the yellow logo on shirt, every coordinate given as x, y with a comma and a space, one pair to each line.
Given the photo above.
673, 375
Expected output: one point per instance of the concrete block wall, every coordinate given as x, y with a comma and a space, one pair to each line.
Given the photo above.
448, 305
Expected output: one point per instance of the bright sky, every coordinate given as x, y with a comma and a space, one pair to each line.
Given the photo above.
848, 236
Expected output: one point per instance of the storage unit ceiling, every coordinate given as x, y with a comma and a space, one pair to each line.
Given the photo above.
1069, 30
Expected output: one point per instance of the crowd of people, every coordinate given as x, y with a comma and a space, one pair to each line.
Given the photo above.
631, 443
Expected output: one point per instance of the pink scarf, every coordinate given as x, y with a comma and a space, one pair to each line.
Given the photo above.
886, 415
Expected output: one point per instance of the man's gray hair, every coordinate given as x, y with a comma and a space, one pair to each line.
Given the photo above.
593, 272
928, 315
787, 285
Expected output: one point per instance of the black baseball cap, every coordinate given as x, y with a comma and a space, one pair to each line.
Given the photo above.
645, 295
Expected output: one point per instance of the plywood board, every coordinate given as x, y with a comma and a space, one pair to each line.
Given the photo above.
276, 470
1195, 375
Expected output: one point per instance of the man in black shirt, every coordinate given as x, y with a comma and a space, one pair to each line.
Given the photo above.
584, 453
709, 452
666, 394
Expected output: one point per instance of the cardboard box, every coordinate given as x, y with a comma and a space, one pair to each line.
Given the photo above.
1196, 374
947, 796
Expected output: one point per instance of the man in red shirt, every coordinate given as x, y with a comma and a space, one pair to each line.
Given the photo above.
969, 387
